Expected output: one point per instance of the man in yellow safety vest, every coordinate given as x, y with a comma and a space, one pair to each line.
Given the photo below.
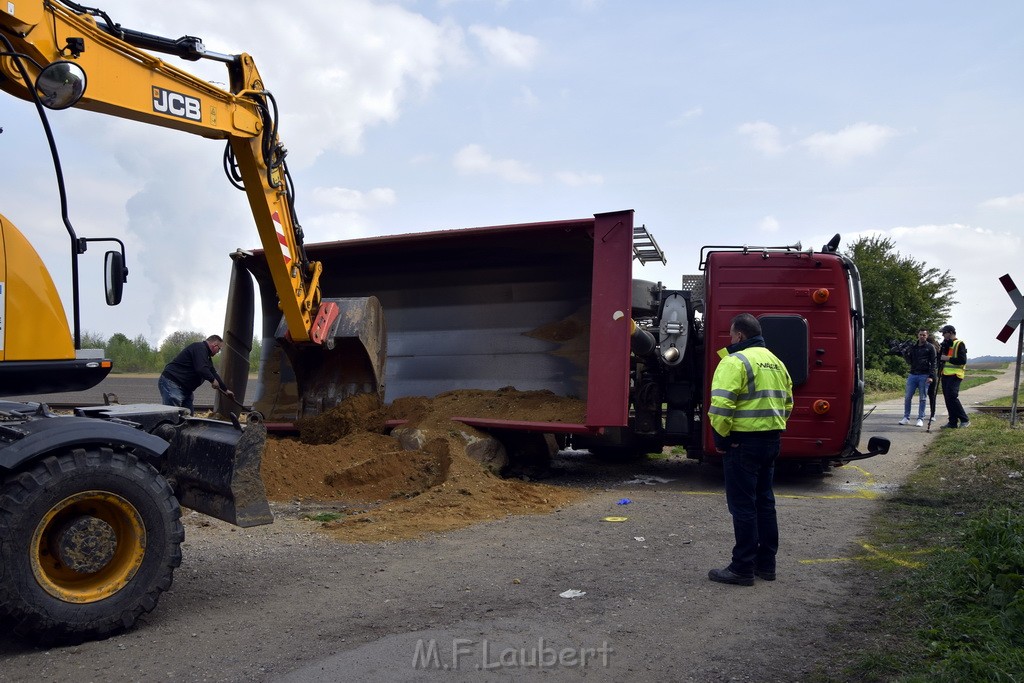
953, 359
751, 400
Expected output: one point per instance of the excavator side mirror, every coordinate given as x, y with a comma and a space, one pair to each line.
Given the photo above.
114, 276
61, 84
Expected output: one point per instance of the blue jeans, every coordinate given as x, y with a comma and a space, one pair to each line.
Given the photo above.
916, 384
173, 395
749, 471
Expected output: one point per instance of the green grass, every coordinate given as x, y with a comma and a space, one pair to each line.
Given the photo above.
879, 386
956, 614
1007, 401
323, 516
974, 379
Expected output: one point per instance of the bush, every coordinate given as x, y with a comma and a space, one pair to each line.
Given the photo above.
878, 381
175, 342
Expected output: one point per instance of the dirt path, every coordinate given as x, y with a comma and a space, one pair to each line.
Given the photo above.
290, 602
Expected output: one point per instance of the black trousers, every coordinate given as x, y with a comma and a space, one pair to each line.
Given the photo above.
951, 395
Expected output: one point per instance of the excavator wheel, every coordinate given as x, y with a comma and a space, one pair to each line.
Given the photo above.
88, 542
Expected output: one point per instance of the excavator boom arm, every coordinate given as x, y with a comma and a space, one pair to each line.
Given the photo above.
131, 83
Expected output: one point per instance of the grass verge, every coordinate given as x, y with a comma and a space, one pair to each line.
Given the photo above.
878, 390
954, 611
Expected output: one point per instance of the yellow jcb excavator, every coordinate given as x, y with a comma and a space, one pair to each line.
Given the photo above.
89, 503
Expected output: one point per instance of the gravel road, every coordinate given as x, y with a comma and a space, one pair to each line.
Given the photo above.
287, 603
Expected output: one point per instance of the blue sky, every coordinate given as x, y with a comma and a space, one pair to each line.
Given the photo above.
718, 122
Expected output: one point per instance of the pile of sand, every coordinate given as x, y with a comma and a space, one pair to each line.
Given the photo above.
344, 460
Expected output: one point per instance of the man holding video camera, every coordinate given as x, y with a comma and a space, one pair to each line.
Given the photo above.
922, 358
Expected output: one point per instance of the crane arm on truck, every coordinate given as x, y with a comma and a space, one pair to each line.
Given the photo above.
66, 55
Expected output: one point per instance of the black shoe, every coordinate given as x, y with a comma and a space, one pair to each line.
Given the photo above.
728, 576
764, 575
948, 426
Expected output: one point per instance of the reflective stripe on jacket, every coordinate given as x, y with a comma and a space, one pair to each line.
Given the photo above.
751, 391
951, 353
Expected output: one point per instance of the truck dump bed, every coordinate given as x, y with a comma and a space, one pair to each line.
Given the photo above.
539, 306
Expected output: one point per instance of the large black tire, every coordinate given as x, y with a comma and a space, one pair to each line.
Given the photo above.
614, 454
88, 542
635, 450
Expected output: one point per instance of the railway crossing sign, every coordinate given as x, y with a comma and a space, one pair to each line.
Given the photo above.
1013, 323
1018, 315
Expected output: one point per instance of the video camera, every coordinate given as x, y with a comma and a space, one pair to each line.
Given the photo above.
900, 348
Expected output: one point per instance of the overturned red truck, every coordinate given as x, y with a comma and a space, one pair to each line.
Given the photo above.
554, 306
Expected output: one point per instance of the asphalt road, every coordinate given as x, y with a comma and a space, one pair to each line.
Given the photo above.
285, 602
127, 389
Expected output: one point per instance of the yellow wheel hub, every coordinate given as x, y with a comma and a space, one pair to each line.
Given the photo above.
88, 547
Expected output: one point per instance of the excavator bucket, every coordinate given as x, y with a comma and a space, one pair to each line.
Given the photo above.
214, 468
304, 380
299, 380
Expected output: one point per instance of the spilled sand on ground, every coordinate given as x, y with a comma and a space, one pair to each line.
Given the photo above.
344, 463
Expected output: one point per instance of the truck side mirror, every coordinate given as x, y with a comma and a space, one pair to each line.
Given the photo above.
61, 85
114, 276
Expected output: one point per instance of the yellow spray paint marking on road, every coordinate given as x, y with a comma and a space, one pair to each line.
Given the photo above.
861, 491
873, 554
863, 495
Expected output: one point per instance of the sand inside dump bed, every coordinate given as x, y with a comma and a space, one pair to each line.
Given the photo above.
367, 487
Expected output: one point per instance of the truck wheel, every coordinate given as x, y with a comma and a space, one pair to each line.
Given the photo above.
614, 454
88, 542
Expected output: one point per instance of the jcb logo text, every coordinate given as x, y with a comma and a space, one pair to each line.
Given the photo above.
176, 104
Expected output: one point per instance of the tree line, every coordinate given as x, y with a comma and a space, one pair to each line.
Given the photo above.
901, 296
137, 355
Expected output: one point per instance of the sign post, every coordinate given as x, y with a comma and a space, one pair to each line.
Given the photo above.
1004, 334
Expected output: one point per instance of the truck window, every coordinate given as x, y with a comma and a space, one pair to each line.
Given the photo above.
787, 337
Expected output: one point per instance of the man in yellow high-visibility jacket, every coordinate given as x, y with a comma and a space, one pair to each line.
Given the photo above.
953, 364
751, 400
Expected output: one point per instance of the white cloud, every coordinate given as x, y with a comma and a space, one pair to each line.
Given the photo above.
692, 113
527, 98
1012, 202
507, 47
769, 224
497, 3
339, 225
473, 160
335, 68
353, 200
573, 179
178, 226
860, 139
764, 136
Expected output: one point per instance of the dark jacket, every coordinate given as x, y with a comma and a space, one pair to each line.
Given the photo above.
192, 367
922, 358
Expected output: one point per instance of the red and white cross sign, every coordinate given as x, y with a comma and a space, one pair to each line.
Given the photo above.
1018, 315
